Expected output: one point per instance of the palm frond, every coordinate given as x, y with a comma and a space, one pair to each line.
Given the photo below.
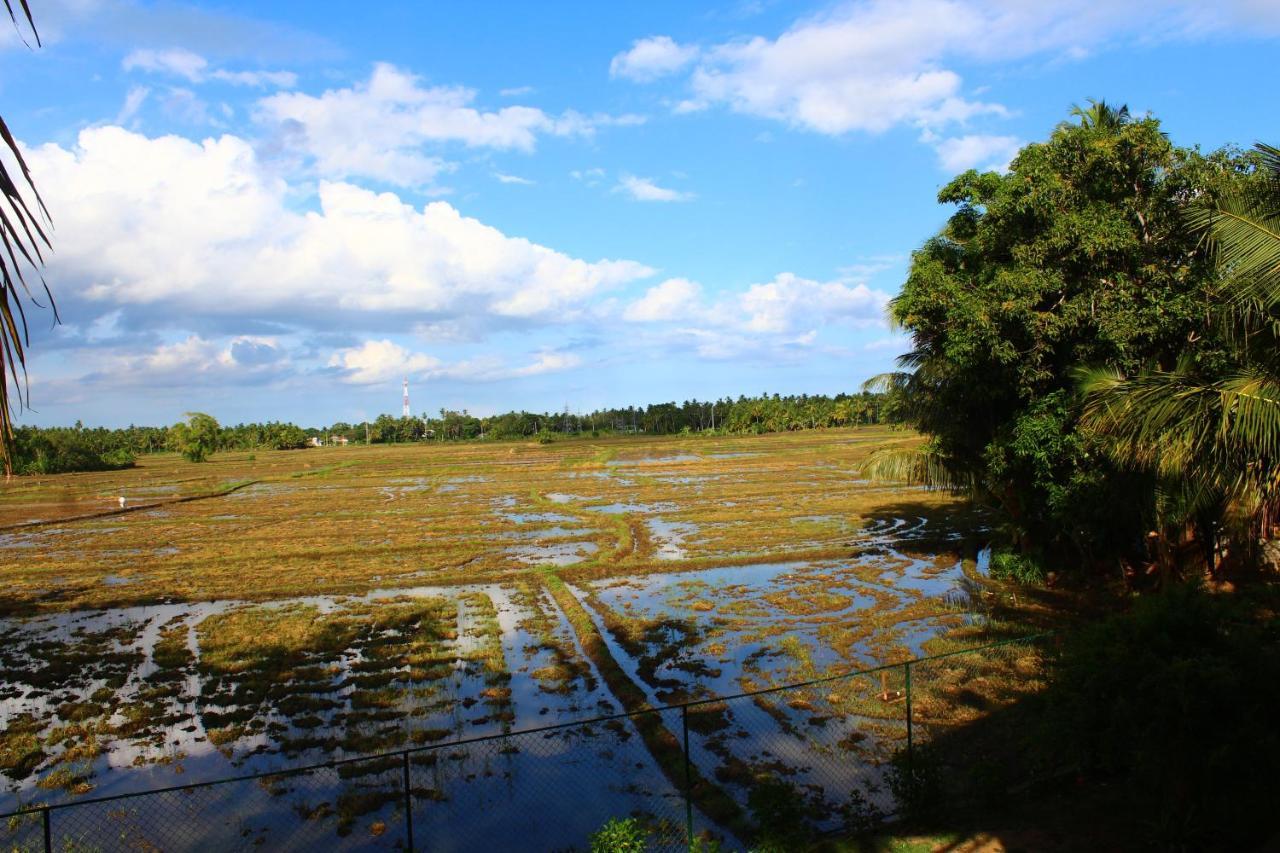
918, 466
1244, 229
1222, 435
23, 237
884, 382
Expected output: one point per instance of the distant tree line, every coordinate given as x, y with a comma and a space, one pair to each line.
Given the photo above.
766, 413
53, 450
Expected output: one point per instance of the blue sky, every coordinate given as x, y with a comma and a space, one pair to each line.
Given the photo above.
278, 211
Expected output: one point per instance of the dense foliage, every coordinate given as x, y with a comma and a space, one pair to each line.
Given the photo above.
1210, 429
196, 437
59, 450
1080, 255
766, 413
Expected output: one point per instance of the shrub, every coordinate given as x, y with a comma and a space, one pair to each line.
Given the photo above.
778, 810
1022, 568
620, 835
1175, 705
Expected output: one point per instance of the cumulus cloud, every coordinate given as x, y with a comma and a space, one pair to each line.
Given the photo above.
644, 189
380, 361
870, 65
378, 129
673, 299
651, 58
194, 68
788, 310
170, 228
956, 154
194, 361
791, 304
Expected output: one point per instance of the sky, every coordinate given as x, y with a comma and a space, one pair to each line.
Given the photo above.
280, 211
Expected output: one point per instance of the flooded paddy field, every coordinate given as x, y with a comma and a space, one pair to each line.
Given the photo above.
317, 604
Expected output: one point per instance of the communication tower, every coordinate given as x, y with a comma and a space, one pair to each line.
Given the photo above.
406, 397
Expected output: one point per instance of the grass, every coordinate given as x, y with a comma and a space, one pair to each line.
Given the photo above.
341, 520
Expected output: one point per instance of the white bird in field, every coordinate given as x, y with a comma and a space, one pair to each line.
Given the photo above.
122, 501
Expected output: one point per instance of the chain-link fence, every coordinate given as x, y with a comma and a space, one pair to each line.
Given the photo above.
789, 761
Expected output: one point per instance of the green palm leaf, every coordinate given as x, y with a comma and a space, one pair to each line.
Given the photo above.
22, 235
1244, 228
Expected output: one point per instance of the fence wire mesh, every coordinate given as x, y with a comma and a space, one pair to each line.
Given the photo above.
795, 761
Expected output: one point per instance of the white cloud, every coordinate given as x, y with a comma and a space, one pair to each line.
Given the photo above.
673, 299
870, 65
132, 103
516, 91
867, 67
169, 228
195, 361
378, 129
195, 68
590, 177
651, 58
512, 179
956, 154
790, 304
644, 189
380, 361
789, 309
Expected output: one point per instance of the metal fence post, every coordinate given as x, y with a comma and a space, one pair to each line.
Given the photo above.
408, 803
910, 733
688, 778
48, 832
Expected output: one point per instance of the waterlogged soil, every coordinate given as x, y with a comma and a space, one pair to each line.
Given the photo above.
352, 601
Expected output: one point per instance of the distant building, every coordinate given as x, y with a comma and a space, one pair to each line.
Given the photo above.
315, 441
338, 440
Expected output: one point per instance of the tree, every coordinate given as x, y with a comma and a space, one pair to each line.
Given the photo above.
22, 235
195, 438
1080, 254
1211, 431
1101, 115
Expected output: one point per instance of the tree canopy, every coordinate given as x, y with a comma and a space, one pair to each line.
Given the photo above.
1081, 254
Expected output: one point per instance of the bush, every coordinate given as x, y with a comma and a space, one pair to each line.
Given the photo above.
620, 835
1022, 568
1175, 705
778, 810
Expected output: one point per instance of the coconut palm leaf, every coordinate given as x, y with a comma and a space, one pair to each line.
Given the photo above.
23, 223
919, 466
1223, 436
1244, 228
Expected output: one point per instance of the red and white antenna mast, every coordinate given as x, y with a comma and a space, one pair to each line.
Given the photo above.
406, 397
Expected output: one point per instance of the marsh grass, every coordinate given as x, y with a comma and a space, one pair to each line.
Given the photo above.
315, 636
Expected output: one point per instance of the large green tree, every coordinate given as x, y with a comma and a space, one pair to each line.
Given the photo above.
1211, 431
1080, 254
196, 438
